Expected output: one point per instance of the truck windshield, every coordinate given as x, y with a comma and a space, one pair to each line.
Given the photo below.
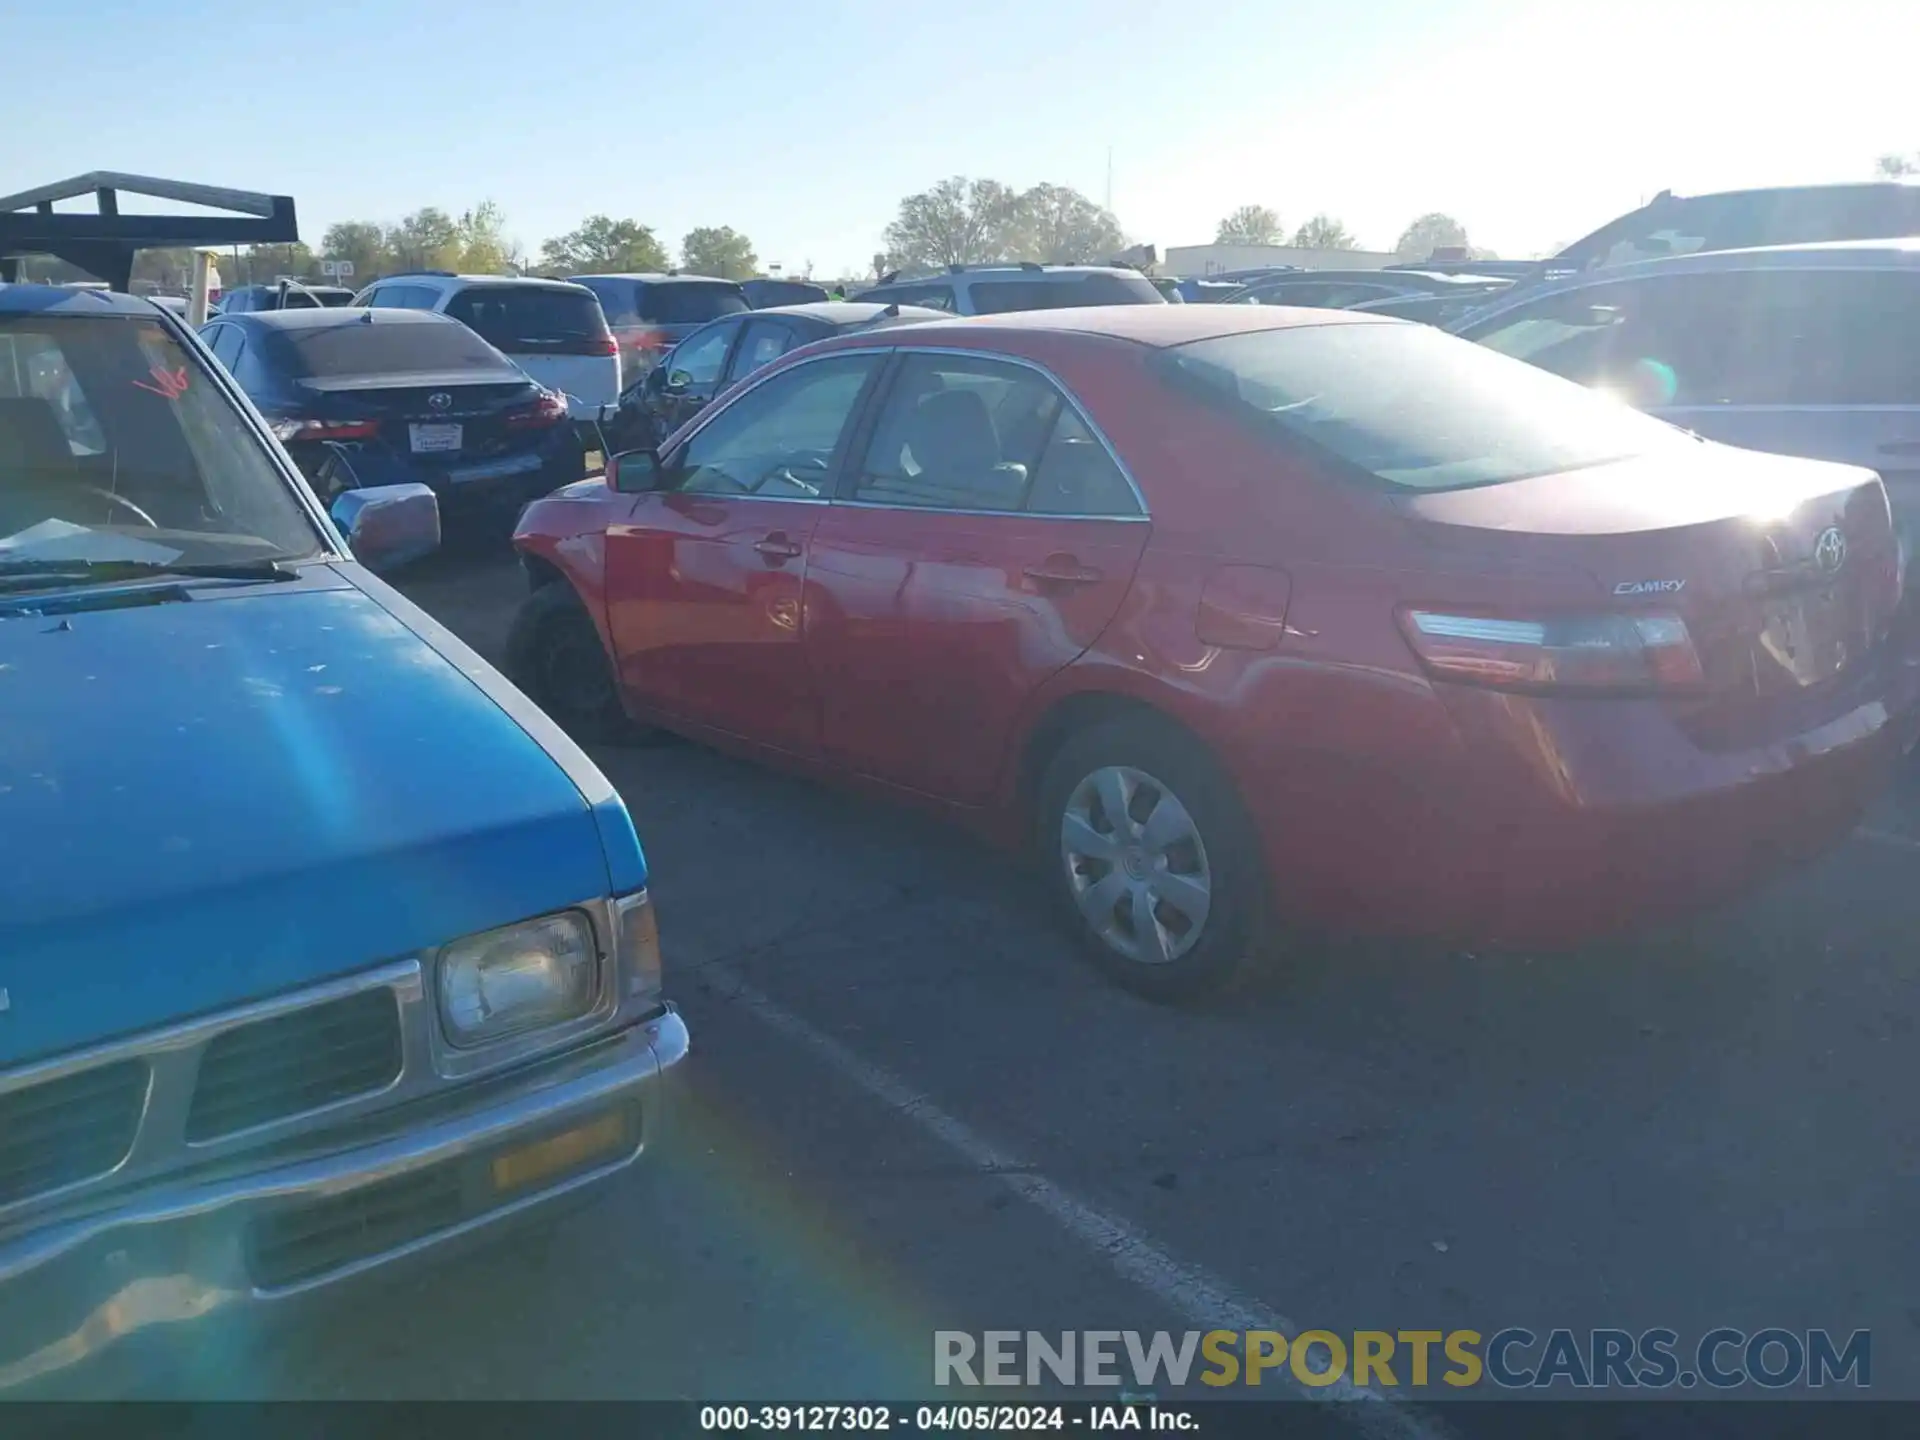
115, 444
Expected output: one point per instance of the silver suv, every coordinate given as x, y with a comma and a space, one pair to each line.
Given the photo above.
996, 289
1809, 350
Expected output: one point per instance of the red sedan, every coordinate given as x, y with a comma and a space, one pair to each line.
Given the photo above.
1235, 614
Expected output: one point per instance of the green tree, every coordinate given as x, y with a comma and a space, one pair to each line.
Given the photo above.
1323, 232
428, 239
1429, 233
1895, 167
1057, 225
602, 243
957, 222
718, 250
1250, 225
484, 246
362, 243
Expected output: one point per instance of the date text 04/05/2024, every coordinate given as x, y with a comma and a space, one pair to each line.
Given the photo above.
991, 1419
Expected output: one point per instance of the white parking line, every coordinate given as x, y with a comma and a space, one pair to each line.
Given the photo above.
1205, 1301
1887, 837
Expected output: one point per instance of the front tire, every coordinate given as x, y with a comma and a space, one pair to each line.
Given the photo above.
555, 655
1151, 860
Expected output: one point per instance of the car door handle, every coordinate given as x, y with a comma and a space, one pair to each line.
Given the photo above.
1062, 570
1901, 447
777, 547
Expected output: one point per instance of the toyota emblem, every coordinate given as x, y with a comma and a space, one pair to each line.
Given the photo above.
441, 400
1830, 551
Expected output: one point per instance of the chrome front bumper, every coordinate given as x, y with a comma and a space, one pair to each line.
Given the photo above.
189, 1246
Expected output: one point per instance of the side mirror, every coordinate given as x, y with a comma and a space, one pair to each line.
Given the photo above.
679, 380
634, 473
388, 526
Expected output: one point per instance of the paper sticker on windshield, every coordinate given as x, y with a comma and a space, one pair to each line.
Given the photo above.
1649, 587
168, 384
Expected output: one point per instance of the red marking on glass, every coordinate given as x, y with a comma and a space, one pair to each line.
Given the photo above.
168, 384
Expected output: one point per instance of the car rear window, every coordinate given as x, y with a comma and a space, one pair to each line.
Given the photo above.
998, 297
686, 303
512, 317
1412, 406
616, 299
359, 347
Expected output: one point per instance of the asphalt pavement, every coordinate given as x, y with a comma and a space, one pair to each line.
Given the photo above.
913, 1107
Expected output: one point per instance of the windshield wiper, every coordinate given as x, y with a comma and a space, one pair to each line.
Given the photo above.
26, 574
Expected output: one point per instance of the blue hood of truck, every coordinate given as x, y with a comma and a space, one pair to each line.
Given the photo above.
245, 790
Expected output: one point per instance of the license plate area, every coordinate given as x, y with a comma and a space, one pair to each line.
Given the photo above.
434, 439
1808, 636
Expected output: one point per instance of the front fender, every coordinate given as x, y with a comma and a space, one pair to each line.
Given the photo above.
567, 533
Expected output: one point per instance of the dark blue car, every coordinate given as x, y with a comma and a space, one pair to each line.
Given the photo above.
320, 945
385, 396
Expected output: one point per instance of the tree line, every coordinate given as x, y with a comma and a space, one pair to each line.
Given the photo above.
1258, 225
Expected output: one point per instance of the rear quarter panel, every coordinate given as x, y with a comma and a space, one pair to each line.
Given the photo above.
1343, 754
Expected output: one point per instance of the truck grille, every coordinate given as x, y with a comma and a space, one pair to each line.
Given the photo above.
70, 1129
293, 1063
298, 1244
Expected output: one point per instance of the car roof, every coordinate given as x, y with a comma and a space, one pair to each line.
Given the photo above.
1006, 272
655, 278
847, 312
322, 317
431, 277
1151, 325
20, 298
1903, 254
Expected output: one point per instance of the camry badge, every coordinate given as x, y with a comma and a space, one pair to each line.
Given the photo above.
1830, 551
1649, 587
440, 400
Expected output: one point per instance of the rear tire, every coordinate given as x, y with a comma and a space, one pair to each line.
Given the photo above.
555, 655
1150, 859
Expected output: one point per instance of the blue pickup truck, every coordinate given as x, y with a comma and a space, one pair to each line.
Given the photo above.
319, 944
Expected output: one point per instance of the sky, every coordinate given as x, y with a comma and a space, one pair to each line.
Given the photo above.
803, 124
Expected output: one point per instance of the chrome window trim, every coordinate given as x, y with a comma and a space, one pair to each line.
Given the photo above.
994, 514
172, 1054
965, 352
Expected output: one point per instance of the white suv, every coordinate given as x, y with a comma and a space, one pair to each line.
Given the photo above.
996, 289
552, 329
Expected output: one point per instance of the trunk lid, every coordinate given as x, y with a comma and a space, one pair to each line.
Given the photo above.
398, 402
1786, 572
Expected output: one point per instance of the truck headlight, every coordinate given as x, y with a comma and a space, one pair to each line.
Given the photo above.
517, 978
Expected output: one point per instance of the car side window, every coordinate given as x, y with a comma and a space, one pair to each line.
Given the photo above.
958, 433
764, 342
934, 297
1653, 343
1077, 475
778, 439
701, 357
1832, 337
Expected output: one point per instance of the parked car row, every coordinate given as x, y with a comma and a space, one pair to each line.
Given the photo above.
1232, 619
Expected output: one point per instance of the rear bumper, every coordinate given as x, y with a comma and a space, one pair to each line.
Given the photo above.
178, 1253
1555, 821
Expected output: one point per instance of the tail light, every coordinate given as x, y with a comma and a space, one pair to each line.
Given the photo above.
289, 430
1589, 654
603, 345
549, 409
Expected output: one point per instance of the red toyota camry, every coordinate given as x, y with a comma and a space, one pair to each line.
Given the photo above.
1235, 614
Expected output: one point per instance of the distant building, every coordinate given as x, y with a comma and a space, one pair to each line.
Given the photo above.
1196, 262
